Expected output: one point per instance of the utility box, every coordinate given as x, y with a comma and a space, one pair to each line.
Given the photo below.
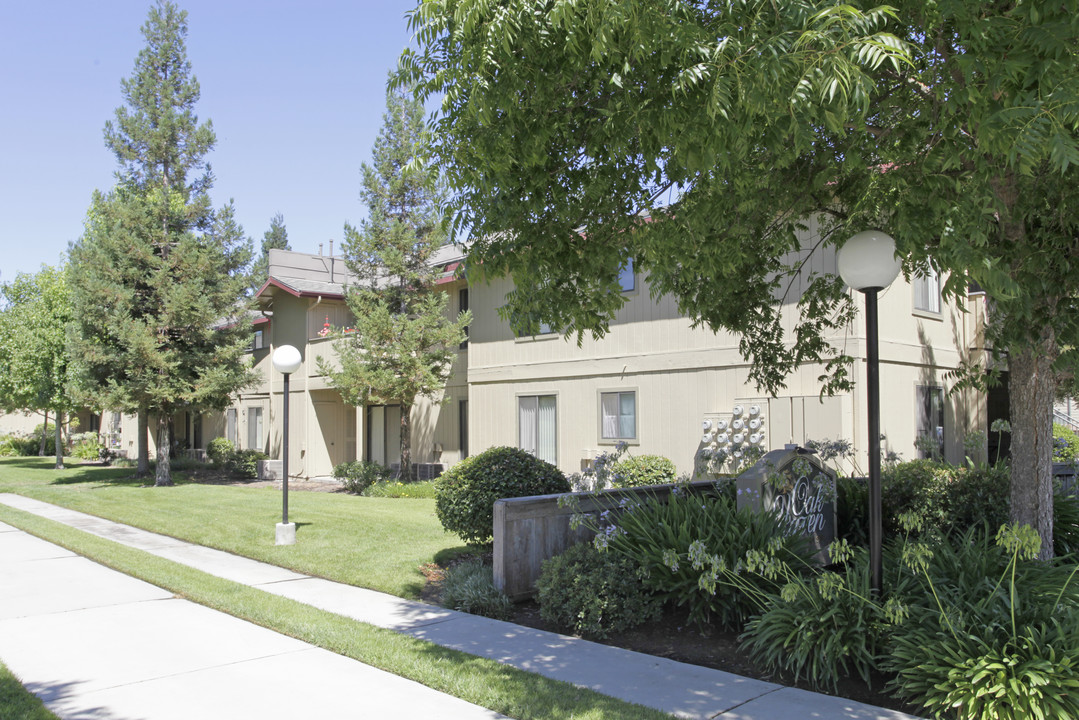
799, 489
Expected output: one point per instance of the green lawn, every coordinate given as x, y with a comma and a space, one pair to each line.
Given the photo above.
377, 543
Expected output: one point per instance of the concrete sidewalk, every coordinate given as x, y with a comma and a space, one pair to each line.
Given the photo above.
50, 608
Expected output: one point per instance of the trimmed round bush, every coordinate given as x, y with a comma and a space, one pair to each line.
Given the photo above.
358, 475
639, 470
465, 494
593, 594
220, 450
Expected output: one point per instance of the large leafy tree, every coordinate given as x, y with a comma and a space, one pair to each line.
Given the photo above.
274, 238
159, 276
404, 341
949, 124
35, 369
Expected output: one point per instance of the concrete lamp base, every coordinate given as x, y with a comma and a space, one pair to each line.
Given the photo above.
286, 534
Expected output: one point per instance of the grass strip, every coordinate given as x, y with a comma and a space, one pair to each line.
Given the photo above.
498, 687
18, 703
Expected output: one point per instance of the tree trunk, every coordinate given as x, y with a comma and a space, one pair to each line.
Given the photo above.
406, 442
164, 443
44, 434
59, 440
143, 468
1031, 386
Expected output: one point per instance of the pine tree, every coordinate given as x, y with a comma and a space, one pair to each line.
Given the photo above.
274, 238
404, 342
158, 277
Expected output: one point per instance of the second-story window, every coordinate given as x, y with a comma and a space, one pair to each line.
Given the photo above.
462, 306
927, 291
257, 342
627, 278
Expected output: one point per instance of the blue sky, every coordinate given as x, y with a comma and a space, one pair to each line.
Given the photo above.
295, 90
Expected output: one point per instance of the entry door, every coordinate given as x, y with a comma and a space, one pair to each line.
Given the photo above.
330, 422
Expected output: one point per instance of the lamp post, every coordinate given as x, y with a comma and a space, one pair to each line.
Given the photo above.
286, 360
867, 263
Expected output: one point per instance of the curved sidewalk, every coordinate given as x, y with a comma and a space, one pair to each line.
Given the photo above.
136, 642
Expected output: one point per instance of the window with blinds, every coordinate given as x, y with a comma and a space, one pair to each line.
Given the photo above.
927, 292
537, 426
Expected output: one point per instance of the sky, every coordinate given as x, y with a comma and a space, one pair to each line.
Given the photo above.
295, 90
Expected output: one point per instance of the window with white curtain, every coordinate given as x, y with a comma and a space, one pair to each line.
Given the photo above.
927, 291
537, 426
618, 415
254, 428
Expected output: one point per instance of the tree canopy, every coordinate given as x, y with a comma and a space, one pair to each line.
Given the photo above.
159, 275
404, 341
951, 125
36, 370
276, 237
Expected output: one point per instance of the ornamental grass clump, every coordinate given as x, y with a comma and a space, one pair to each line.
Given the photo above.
466, 493
690, 546
469, 587
991, 633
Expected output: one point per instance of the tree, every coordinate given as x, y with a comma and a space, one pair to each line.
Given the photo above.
35, 369
274, 238
158, 275
404, 342
950, 125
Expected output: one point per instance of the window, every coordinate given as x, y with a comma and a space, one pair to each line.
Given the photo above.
618, 415
230, 426
930, 437
254, 428
462, 427
257, 341
627, 278
927, 292
537, 426
462, 306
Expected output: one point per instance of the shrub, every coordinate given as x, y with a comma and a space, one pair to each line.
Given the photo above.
593, 594
244, 463
977, 495
1065, 523
948, 498
469, 587
466, 493
638, 470
851, 510
915, 487
1065, 444
86, 446
686, 546
358, 475
220, 450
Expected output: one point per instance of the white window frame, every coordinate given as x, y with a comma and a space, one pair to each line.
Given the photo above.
618, 436
926, 289
256, 435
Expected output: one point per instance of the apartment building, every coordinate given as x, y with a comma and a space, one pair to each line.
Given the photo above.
652, 382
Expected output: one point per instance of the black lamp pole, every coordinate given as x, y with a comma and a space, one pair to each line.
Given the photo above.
284, 458
873, 392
